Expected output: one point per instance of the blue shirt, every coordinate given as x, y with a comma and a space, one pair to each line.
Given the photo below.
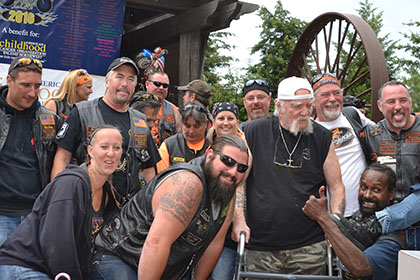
383, 257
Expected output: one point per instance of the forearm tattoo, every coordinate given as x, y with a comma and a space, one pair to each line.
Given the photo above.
183, 199
240, 198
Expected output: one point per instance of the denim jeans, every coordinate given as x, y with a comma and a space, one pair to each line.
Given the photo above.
401, 215
14, 272
225, 267
110, 267
8, 225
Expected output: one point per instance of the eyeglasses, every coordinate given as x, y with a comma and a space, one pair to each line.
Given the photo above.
318, 77
25, 61
258, 82
82, 72
159, 84
196, 107
230, 162
289, 163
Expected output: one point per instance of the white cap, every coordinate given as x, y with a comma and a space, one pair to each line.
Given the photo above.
288, 87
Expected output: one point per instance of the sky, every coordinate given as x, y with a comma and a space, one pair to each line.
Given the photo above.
246, 32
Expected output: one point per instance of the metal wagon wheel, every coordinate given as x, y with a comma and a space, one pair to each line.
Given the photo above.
347, 46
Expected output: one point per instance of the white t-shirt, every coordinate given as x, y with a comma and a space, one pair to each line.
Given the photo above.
350, 156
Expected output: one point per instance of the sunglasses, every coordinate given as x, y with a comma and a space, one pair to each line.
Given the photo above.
230, 162
159, 84
196, 107
147, 97
257, 81
289, 163
82, 72
318, 77
25, 61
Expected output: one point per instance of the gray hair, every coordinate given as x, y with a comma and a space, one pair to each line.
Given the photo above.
391, 83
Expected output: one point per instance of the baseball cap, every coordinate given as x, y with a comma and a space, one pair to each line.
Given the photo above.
288, 87
123, 60
197, 86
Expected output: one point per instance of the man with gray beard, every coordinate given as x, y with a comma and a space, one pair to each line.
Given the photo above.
346, 125
293, 157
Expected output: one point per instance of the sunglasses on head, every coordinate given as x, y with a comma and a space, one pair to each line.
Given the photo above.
257, 81
196, 107
318, 77
82, 72
230, 162
25, 61
159, 84
147, 97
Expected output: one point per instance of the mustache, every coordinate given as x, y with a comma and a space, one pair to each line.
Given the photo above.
123, 89
226, 174
332, 104
402, 111
372, 200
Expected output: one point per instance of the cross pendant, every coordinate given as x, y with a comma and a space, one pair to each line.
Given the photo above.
290, 160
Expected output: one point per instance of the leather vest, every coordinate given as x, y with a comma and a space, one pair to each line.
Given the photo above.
125, 235
179, 151
45, 128
167, 123
137, 154
400, 152
63, 108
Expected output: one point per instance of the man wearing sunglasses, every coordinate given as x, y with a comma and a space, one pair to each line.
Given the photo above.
27, 131
158, 83
178, 222
345, 124
292, 157
137, 163
257, 99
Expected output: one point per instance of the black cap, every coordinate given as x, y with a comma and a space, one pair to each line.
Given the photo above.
123, 60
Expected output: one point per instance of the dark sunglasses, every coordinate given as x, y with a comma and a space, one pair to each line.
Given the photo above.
82, 72
257, 81
196, 107
318, 77
230, 162
25, 61
159, 84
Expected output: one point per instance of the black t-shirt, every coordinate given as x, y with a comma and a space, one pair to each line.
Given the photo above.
73, 136
276, 194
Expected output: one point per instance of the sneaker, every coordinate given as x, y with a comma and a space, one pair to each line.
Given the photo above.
361, 233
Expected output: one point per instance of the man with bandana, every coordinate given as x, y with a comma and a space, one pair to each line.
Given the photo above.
292, 157
346, 125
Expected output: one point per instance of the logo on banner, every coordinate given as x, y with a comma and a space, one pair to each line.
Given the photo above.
34, 12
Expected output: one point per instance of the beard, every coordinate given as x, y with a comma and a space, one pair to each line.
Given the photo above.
367, 212
295, 127
220, 193
332, 115
400, 123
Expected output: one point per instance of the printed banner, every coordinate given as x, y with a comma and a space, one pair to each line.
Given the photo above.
63, 34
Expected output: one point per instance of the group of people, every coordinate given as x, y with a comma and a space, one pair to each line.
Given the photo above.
129, 186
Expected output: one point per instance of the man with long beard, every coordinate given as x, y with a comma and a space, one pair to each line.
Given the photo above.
178, 222
379, 261
293, 157
346, 125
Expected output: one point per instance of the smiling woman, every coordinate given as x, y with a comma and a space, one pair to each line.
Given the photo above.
80, 199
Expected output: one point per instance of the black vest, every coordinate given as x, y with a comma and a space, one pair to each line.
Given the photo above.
179, 151
125, 235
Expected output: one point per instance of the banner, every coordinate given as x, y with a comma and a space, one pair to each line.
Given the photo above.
63, 34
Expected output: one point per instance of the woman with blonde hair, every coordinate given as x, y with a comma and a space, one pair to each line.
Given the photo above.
76, 87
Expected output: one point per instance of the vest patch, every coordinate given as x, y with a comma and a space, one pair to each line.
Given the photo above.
139, 122
170, 118
47, 119
412, 137
388, 147
62, 131
178, 159
191, 239
48, 131
140, 139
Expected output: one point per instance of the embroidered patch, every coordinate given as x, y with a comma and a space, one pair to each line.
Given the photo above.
139, 122
170, 118
48, 131
140, 139
89, 132
388, 147
375, 131
191, 239
62, 131
412, 137
47, 119
178, 159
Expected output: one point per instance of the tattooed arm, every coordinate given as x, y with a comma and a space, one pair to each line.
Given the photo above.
174, 204
335, 184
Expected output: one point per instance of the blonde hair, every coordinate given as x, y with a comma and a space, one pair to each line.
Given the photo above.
68, 87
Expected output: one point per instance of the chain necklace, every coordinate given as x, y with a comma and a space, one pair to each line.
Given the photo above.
290, 160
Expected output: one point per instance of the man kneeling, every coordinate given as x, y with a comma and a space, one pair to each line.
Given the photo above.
177, 222
378, 261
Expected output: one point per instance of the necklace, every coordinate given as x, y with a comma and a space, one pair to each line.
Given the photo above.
290, 160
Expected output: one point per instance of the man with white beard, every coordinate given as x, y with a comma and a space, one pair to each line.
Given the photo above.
346, 125
293, 157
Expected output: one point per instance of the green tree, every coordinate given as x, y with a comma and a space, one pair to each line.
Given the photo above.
278, 38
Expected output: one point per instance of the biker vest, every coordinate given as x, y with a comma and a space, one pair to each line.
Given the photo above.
179, 151
63, 108
137, 154
167, 122
400, 152
125, 234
